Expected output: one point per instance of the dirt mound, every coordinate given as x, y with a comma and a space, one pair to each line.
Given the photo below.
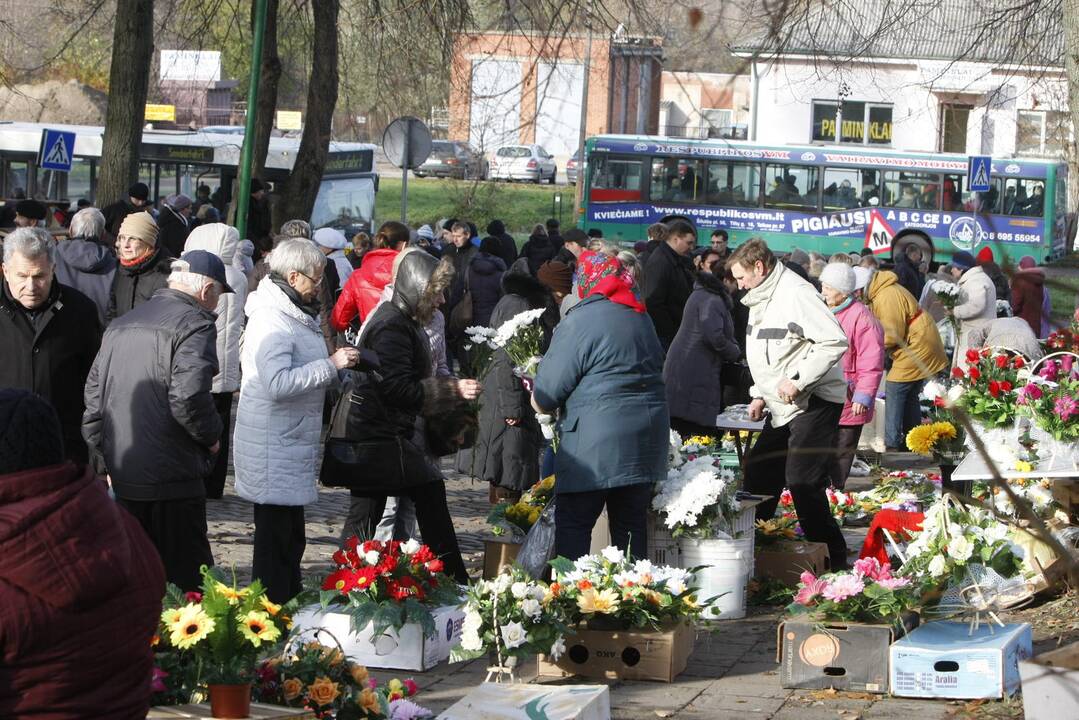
54, 102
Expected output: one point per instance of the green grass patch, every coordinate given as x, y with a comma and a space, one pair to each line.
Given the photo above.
518, 205
1062, 279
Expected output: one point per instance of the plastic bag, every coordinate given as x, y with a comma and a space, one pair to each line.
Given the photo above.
538, 548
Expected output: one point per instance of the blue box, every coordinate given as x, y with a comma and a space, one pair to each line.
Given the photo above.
942, 660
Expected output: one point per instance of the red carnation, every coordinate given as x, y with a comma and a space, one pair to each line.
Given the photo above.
352, 542
1002, 361
1006, 386
435, 565
972, 355
372, 545
994, 388
974, 374
386, 565
340, 558
938, 402
957, 373
423, 555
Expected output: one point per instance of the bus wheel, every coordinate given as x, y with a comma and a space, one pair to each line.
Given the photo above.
899, 246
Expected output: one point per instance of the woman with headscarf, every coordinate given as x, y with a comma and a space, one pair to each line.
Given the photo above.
604, 371
1029, 296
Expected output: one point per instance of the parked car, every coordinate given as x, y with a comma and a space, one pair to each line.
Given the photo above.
523, 162
452, 158
573, 167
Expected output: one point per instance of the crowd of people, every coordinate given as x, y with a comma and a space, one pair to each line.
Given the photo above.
128, 343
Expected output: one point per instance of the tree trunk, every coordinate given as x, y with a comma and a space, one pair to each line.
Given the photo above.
1071, 68
129, 79
268, 80
302, 188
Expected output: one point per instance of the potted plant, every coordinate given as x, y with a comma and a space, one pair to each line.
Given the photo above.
222, 632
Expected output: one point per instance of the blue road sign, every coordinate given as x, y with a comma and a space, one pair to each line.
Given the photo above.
57, 150
978, 169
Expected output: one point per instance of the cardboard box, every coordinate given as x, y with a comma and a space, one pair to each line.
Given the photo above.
624, 654
496, 553
404, 650
512, 701
1050, 683
259, 711
942, 660
844, 656
786, 561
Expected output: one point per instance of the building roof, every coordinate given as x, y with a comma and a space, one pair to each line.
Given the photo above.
1029, 34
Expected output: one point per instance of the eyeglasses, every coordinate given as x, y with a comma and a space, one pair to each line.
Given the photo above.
313, 281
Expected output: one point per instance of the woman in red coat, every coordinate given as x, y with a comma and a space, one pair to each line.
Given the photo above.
80, 583
364, 287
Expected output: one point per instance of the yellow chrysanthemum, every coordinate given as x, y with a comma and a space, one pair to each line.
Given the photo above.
257, 627
1023, 466
604, 601
922, 438
944, 430
231, 594
192, 625
268, 606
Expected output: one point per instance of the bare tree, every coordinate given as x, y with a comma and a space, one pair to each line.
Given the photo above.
269, 77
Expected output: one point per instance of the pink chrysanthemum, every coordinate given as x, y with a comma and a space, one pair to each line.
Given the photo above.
893, 583
843, 587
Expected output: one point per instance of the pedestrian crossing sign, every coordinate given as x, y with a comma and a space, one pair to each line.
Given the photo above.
57, 149
978, 169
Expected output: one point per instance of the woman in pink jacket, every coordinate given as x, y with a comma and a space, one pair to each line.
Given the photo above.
863, 363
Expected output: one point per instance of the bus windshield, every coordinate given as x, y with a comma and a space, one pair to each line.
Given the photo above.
344, 203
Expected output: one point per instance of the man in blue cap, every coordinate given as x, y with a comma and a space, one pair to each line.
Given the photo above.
150, 416
977, 306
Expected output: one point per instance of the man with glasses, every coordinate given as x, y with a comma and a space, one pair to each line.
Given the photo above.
150, 415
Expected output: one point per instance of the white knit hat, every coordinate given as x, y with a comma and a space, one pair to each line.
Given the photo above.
330, 238
862, 276
839, 276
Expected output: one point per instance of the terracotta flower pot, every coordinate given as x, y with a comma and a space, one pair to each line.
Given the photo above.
230, 701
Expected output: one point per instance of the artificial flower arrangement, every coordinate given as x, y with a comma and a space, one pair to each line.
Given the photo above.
519, 517
1051, 398
698, 498
841, 504
869, 593
612, 590
1064, 339
219, 633
777, 530
323, 681
989, 385
1037, 493
387, 584
512, 616
898, 490
939, 439
954, 536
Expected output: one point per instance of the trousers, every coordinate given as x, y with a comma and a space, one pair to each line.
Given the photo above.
575, 516
280, 539
178, 530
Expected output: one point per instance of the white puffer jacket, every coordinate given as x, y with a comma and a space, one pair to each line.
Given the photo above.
224, 241
286, 371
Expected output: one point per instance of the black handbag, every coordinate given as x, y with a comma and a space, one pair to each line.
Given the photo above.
362, 450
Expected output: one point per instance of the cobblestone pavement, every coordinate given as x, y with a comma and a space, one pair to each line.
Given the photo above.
732, 672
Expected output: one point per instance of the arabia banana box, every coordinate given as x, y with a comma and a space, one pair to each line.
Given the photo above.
511, 701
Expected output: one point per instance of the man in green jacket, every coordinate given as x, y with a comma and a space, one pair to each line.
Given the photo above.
794, 346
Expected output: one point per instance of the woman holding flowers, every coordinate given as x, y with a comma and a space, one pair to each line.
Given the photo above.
604, 370
863, 363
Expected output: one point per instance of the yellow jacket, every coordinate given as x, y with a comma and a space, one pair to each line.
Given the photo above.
911, 339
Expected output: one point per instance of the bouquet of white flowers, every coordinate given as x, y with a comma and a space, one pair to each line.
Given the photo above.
948, 295
698, 499
521, 337
480, 348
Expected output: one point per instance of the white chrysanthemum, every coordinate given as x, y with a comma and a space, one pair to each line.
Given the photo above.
960, 549
473, 621
613, 555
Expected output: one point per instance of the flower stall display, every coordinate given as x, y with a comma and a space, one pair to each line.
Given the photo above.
323, 681
1064, 339
777, 530
1051, 400
898, 490
519, 517
512, 617
954, 536
698, 499
386, 585
990, 380
1037, 493
841, 504
218, 636
870, 593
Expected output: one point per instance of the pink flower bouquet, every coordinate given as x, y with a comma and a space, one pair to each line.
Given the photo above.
867, 593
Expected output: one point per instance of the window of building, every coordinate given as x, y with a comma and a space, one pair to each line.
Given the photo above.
717, 119
677, 180
860, 123
1024, 196
912, 190
614, 179
1040, 132
733, 184
953, 127
791, 186
846, 188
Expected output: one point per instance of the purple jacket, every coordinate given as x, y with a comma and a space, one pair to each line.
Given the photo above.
863, 363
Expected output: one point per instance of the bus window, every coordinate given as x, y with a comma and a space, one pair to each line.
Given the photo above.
912, 190
16, 178
733, 184
846, 188
956, 195
344, 203
51, 185
791, 186
614, 179
1023, 196
79, 180
677, 180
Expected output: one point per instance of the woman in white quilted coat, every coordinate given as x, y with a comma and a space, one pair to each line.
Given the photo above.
276, 446
224, 241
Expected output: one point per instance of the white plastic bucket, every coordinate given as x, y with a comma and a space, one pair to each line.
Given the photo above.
726, 568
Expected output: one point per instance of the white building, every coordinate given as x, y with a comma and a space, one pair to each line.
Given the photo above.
965, 76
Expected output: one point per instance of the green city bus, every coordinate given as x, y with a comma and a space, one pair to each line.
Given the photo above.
825, 199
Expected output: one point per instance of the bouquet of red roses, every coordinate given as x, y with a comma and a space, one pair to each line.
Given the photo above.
990, 382
388, 585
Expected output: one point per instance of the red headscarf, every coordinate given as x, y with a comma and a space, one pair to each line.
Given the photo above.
601, 274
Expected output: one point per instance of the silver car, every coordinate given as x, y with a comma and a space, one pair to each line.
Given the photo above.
523, 162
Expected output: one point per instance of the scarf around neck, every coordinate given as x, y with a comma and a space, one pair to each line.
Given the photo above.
311, 308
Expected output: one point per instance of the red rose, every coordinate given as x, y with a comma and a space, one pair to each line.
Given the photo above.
957, 373
1002, 361
986, 352
974, 374
994, 388
1006, 386
193, 597
435, 565
972, 355
1017, 361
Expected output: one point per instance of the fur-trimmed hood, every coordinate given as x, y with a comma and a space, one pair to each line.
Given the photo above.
710, 283
421, 279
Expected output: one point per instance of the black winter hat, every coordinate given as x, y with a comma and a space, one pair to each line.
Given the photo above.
31, 209
496, 227
30, 434
139, 191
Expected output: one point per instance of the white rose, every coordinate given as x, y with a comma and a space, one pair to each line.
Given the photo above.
519, 590
558, 647
502, 583
371, 557
471, 641
613, 555
954, 393
937, 566
411, 547
995, 533
514, 635
960, 549
531, 607
538, 592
